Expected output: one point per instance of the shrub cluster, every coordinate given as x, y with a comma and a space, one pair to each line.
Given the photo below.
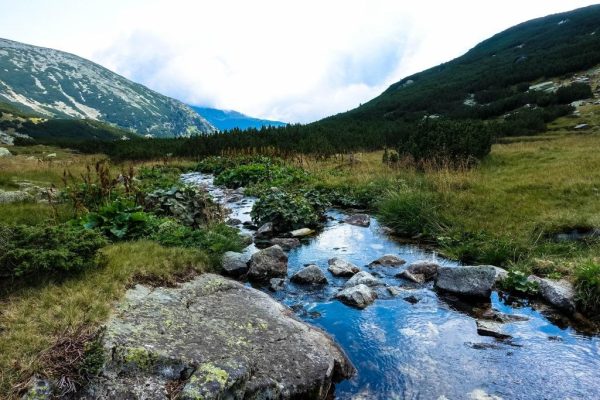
286, 210
52, 250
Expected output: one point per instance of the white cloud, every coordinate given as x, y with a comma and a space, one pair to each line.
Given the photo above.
286, 60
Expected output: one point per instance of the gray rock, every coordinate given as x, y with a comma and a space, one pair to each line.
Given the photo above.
491, 328
409, 276
233, 222
4, 152
560, 294
412, 299
358, 219
39, 389
268, 263
302, 232
235, 264
276, 284
286, 243
582, 127
265, 230
16, 196
428, 269
388, 260
501, 273
359, 296
227, 341
476, 281
309, 275
339, 267
363, 278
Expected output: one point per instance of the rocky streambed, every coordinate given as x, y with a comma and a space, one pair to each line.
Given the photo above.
384, 320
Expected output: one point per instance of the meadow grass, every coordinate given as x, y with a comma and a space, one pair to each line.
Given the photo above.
504, 209
33, 318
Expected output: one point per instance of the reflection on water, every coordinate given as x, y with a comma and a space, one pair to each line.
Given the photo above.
430, 350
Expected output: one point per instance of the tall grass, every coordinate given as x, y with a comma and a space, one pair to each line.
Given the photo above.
587, 278
34, 318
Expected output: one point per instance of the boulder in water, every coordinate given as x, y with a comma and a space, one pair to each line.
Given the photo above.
339, 267
235, 264
268, 263
311, 274
363, 278
474, 281
359, 296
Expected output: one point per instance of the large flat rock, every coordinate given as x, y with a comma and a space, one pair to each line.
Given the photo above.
224, 340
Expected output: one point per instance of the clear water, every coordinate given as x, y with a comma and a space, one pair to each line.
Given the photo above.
430, 350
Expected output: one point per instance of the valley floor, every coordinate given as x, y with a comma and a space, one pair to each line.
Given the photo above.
527, 206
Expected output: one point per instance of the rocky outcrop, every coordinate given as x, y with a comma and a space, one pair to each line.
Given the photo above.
4, 152
359, 296
268, 263
265, 230
301, 232
235, 264
428, 269
491, 328
363, 278
359, 220
286, 243
224, 340
339, 267
388, 260
560, 294
416, 278
311, 274
474, 281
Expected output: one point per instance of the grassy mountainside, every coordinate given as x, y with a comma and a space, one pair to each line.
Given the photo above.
18, 126
535, 50
55, 84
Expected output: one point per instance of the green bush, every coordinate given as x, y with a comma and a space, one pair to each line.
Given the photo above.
587, 284
410, 212
516, 281
286, 210
190, 206
255, 173
215, 239
121, 220
34, 250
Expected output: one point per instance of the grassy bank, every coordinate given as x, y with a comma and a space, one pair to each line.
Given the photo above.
56, 292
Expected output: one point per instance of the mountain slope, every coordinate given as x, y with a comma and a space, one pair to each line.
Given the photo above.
55, 84
226, 120
532, 51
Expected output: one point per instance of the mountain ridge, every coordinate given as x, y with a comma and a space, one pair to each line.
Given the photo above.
56, 84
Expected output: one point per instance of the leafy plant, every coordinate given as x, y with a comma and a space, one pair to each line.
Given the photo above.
516, 281
190, 206
587, 285
120, 220
34, 250
286, 210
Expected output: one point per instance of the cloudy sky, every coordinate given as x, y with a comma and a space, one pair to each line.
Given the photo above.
294, 61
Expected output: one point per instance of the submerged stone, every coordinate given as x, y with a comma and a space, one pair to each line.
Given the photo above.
225, 340
388, 260
358, 219
491, 328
